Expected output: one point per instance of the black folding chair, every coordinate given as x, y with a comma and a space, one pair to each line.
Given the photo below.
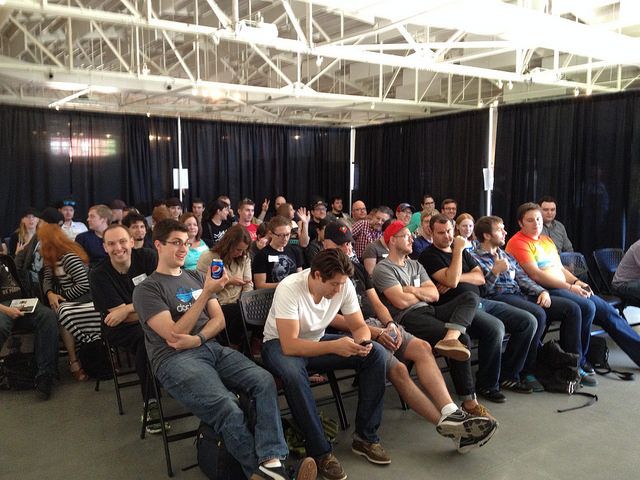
254, 306
607, 261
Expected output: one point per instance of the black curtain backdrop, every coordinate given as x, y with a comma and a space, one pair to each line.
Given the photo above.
585, 153
262, 161
47, 155
443, 156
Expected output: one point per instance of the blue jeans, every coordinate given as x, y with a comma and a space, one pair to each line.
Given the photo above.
44, 325
293, 372
608, 318
572, 329
489, 325
203, 380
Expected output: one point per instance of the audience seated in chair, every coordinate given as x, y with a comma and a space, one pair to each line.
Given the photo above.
407, 292
369, 230
118, 208
42, 322
467, 431
553, 228
136, 223
217, 223
538, 256
507, 282
25, 231
304, 304
233, 251
277, 260
196, 246
112, 283
66, 286
626, 281
427, 207
376, 251
98, 219
464, 228
71, 228
358, 212
174, 204
246, 208
299, 229
181, 316
336, 213
455, 272
197, 208
422, 238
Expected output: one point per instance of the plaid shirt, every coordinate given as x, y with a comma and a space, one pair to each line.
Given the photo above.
363, 235
512, 281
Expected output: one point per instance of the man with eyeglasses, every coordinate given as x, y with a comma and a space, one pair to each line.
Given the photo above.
181, 317
277, 260
358, 212
428, 205
318, 212
112, 282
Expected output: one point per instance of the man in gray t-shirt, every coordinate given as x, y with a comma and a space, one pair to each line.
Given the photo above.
626, 281
181, 317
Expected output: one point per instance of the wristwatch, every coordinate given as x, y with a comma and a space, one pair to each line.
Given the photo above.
202, 338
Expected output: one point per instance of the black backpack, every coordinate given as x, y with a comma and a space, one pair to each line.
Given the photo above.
559, 371
18, 369
598, 357
214, 459
94, 360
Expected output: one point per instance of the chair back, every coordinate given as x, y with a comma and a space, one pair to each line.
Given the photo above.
255, 306
576, 264
607, 261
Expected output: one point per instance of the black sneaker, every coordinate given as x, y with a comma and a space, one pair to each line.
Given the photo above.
461, 424
517, 386
276, 473
494, 396
466, 444
44, 384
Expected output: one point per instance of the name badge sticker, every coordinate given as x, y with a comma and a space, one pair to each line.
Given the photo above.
416, 281
273, 258
385, 255
139, 279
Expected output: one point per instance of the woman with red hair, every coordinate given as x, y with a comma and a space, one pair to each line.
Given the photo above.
66, 285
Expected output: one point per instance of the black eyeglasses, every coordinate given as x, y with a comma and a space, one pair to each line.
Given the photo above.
177, 243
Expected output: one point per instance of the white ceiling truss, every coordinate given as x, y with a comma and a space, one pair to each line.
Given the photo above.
324, 62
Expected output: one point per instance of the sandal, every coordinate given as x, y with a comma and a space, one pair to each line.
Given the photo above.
78, 374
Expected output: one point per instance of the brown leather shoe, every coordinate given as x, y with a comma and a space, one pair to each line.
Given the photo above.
329, 467
454, 349
371, 451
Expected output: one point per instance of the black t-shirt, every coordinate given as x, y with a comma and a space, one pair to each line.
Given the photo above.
9, 285
362, 282
277, 265
212, 233
111, 288
434, 259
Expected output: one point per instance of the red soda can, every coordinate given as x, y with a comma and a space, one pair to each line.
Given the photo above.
217, 268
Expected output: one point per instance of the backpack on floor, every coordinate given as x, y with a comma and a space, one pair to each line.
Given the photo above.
214, 459
18, 371
598, 357
558, 371
94, 360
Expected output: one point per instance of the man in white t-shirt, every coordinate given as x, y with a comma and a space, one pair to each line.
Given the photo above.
304, 304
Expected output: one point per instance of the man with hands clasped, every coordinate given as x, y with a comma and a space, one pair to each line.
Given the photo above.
181, 316
506, 282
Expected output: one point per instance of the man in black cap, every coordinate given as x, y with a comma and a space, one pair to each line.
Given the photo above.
117, 207
404, 212
318, 212
69, 227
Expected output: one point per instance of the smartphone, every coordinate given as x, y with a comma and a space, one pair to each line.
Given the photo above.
364, 343
587, 289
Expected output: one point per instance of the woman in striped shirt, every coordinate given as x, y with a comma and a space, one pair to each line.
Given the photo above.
66, 285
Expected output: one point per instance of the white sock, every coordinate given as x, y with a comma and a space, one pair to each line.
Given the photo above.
273, 463
447, 410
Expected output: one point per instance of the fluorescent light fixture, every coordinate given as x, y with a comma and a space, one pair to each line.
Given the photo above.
66, 86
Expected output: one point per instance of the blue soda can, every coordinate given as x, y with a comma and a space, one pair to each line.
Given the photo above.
217, 268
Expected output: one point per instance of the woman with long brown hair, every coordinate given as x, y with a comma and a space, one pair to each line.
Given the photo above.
25, 231
66, 286
232, 249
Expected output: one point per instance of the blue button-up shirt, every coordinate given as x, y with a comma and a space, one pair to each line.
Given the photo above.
512, 281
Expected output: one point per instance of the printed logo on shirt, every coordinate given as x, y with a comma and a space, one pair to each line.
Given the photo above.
184, 295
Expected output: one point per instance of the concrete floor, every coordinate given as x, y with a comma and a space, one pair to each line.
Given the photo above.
78, 434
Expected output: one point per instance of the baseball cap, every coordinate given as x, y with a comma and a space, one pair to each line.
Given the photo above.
338, 233
117, 205
403, 206
318, 203
30, 211
392, 229
51, 215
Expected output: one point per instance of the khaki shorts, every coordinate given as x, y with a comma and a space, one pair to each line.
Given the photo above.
398, 356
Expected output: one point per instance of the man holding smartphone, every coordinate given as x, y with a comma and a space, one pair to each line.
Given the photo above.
538, 256
304, 304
